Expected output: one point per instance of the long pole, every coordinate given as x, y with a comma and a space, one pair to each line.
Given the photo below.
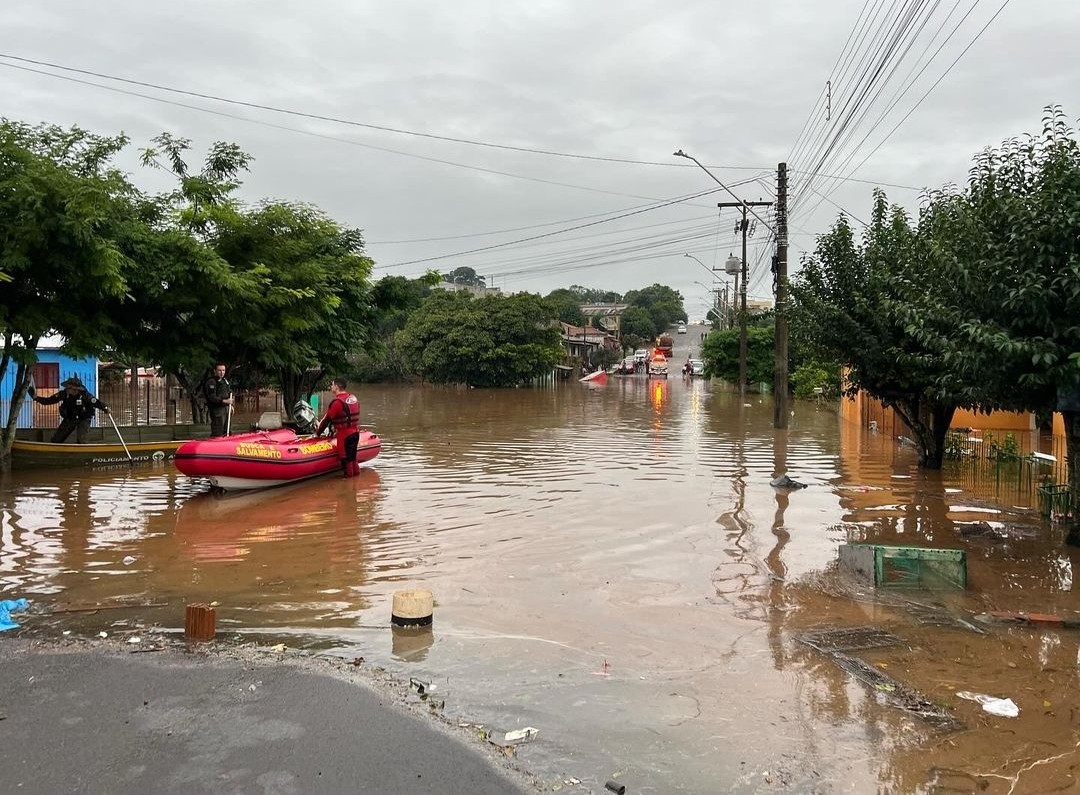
744, 207
742, 312
121, 438
780, 365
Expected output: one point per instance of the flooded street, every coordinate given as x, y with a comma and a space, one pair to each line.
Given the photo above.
611, 566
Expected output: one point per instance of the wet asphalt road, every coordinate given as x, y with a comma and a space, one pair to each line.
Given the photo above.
84, 721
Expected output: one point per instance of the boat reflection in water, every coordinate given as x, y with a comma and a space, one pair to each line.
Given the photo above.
225, 528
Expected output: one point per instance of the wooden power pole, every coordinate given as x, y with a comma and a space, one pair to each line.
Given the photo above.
743, 225
780, 365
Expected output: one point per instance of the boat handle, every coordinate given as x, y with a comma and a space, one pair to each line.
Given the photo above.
294, 449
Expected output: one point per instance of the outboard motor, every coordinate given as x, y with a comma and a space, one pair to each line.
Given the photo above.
305, 417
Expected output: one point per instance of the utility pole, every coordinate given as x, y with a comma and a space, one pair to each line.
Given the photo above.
743, 225
780, 365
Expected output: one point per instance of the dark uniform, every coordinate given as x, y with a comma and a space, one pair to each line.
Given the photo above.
77, 408
217, 391
344, 414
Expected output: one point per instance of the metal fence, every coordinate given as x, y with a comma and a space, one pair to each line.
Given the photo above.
153, 402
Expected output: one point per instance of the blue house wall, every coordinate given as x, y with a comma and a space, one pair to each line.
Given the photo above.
86, 370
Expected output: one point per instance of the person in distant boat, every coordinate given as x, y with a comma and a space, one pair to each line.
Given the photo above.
343, 415
77, 408
219, 399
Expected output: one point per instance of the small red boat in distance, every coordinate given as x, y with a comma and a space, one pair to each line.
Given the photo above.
266, 458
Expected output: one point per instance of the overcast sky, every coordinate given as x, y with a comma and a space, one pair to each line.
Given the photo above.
731, 83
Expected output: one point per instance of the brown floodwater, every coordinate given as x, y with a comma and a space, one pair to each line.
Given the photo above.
611, 566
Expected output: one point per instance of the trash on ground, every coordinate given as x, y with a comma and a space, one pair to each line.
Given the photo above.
9, 606
1002, 707
103, 635
616, 787
784, 482
905, 567
280, 648
420, 686
134, 639
521, 735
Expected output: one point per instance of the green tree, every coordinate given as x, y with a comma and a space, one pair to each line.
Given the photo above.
394, 299
314, 297
720, 352
464, 275
185, 320
664, 305
592, 295
493, 341
567, 304
637, 326
1006, 252
847, 306
60, 201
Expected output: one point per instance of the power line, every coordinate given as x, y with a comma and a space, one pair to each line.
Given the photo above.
546, 234
327, 137
351, 122
929, 90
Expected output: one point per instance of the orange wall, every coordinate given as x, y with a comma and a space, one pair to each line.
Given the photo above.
863, 408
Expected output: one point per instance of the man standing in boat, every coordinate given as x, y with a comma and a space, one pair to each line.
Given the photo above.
219, 400
343, 414
77, 407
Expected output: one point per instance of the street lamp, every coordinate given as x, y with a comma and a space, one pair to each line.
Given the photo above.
699, 262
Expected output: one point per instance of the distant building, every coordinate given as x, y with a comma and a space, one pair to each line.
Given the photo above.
605, 316
581, 341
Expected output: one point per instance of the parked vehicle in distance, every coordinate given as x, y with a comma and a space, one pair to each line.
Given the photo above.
665, 345
641, 355
697, 367
626, 366
682, 328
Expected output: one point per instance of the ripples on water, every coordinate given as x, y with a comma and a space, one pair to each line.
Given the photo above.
610, 564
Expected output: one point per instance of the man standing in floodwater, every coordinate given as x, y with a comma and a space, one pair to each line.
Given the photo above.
343, 414
77, 408
219, 399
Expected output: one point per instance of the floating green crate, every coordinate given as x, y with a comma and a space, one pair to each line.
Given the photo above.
905, 567
1055, 500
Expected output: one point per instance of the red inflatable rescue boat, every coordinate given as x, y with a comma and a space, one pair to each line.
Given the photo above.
266, 458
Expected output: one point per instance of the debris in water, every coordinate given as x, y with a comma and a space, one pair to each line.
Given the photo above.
605, 669
616, 787
849, 639
134, 639
889, 690
103, 635
128, 560
784, 482
280, 648
1002, 707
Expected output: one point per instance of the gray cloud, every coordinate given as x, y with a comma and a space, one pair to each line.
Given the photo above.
731, 83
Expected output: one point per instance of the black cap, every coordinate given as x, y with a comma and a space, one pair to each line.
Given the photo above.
73, 381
